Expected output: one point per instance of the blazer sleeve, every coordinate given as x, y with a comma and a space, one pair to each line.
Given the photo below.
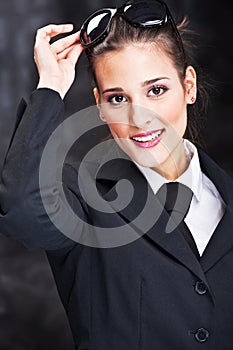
22, 213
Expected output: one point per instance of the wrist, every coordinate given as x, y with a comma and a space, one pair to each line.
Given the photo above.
51, 85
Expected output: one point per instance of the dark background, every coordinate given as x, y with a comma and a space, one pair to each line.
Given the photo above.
31, 315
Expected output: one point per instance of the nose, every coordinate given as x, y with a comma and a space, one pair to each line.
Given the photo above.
140, 116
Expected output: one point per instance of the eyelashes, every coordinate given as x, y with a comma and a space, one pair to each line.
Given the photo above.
117, 99
157, 90
153, 92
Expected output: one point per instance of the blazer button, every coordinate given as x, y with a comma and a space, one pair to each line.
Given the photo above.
200, 288
201, 335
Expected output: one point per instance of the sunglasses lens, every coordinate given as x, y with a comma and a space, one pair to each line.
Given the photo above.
146, 13
95, 27
150, 13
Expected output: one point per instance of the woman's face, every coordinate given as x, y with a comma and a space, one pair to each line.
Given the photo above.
142, 99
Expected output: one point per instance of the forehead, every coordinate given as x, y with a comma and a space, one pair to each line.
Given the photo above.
133, 63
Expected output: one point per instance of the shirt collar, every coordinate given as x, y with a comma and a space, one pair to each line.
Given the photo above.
192, 177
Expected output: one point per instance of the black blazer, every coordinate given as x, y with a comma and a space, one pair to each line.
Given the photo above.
149, 294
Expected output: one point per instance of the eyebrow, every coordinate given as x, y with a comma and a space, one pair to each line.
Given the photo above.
152, 81
145, 83
116, 89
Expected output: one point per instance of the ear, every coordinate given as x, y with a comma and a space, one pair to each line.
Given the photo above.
97, 101
97, 96
190, 82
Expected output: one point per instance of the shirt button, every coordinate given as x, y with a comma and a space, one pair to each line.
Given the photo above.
201, 335
200, 288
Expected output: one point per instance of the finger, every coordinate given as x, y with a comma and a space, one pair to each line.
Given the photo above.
72, 53
51, 30
63, 55
64, 43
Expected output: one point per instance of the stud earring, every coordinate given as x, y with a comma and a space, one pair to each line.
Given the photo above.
193, 99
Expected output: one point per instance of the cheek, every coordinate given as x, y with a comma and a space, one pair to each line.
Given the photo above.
119, 130
176, 116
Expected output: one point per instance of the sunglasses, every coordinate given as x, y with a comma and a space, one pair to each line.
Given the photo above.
144, 14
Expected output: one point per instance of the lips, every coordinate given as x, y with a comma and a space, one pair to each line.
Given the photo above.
148, 139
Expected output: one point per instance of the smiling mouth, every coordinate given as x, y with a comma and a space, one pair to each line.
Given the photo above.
148, 137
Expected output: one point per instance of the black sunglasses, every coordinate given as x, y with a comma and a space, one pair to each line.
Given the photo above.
145, 14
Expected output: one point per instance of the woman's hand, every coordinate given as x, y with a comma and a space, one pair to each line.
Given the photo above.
56, 62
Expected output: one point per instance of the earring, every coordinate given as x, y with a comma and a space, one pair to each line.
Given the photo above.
193, 99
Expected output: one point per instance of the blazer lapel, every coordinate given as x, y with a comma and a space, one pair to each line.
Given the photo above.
220, 243
174, 243
144, 212
222, 239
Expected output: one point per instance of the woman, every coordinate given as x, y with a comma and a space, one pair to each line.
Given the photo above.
132, 276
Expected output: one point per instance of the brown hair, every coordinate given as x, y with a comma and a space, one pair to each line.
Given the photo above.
122, 33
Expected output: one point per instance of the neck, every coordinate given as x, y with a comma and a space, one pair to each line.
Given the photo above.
175, 164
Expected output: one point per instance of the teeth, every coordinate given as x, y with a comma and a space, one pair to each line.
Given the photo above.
148, 138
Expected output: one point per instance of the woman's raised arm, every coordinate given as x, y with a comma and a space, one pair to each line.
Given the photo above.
22, 214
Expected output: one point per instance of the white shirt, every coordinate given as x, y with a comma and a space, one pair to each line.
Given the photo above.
207, 206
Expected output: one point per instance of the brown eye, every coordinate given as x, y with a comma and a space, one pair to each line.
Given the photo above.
115, 100
119, 99
157, 91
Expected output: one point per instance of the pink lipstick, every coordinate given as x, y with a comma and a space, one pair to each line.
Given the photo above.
148, 139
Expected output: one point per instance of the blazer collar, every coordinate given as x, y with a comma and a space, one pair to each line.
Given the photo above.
151, 219
114, 164
222, 181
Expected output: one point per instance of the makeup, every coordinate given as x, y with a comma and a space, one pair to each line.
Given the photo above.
148, 139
